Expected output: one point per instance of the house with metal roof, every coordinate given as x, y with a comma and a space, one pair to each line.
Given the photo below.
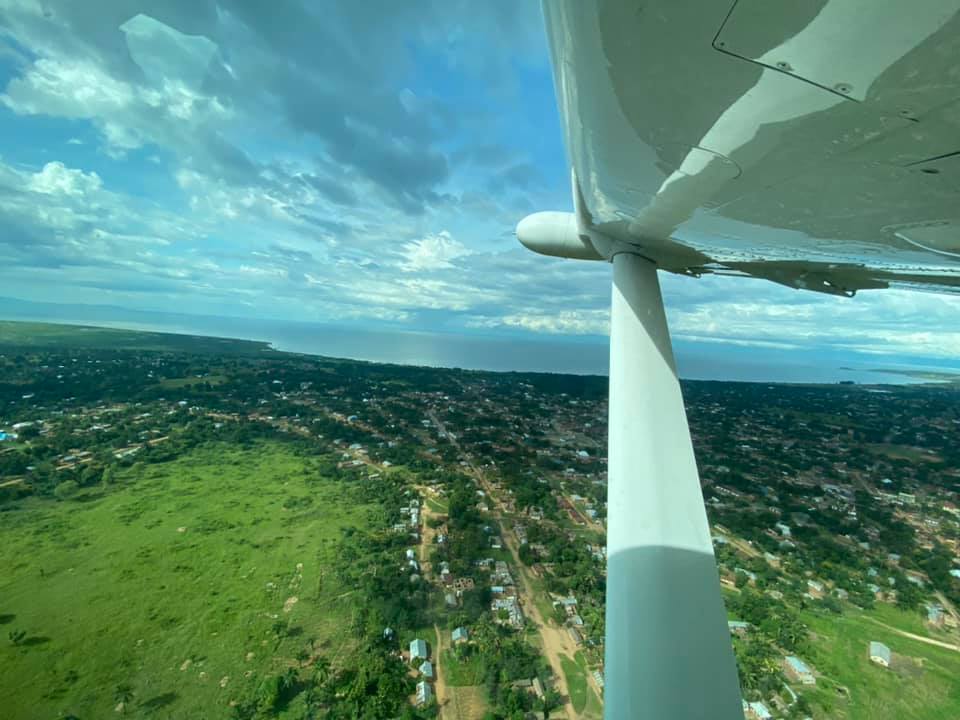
880, 653
426, 669
424, 692
758, 711
798, 671
460, 635
418, 649
738, 627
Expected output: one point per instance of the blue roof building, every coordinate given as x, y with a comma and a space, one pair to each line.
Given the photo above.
460, 635
426, 669
796, 669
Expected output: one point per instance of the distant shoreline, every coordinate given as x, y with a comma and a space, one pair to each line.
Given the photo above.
436, 350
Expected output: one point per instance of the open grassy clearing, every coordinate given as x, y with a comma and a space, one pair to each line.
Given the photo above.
593, 707
437, 506
462, 673
178, 585
904, 452
466, 703
576, 683
188, 381
924, 681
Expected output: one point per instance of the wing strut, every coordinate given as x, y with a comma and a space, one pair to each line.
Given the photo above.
668, 651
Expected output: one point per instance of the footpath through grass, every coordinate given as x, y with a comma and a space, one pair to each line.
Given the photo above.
175, 592
922, 684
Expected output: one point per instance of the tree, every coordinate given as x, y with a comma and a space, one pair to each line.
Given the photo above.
756, 660
833, 605
909, 595
65, 490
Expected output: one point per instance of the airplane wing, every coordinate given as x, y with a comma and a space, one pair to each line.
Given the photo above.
813, 143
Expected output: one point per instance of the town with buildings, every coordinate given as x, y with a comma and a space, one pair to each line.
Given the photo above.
834, 512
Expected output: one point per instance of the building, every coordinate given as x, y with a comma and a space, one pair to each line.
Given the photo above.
513, 614
418, 649
598, 676
424, 692
738, 627
935, 615
798, 671
538, 688
459, 636
426, 669
880, 653
758, 711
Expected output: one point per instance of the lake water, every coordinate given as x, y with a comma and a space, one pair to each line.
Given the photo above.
582, 356
696, 361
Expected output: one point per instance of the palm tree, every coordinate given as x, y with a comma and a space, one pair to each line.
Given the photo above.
322, 670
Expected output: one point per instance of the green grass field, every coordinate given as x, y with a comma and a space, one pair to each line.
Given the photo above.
924, 682
437, 506
188, 381
462, 673
576, 683
173, 584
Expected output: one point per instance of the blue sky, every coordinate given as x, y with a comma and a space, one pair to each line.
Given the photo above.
360, 163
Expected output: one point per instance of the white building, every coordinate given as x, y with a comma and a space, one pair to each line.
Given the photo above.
879, 653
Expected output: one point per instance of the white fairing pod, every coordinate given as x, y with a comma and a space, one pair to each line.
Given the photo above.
556, 234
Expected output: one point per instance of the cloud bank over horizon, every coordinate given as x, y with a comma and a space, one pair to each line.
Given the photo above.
362, 163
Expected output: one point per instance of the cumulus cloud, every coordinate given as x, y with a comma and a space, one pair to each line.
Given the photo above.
563, 322
57, 178
434, 252
362, 162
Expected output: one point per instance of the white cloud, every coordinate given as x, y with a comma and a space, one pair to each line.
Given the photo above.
434, 252
56, 178
564, 322
265, 272
67, 88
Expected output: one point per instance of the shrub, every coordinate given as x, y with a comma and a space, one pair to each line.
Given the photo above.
66, 489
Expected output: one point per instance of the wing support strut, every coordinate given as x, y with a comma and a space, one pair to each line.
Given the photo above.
668, 650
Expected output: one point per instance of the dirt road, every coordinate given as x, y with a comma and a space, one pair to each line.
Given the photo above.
556, 641
918, 638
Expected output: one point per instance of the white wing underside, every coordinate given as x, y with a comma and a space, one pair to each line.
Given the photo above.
815, 143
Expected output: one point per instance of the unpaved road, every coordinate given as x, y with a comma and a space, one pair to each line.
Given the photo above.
918, 638
555, 641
